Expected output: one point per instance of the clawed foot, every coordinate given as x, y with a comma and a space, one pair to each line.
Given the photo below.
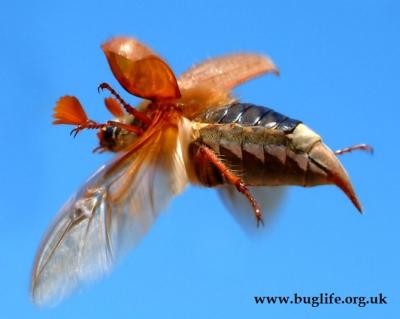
260, 221
104, 86
76, 130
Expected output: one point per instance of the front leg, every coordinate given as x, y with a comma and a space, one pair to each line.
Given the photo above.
208, 154
131, 110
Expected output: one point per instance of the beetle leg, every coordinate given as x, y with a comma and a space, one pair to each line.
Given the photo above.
92, 125
357, 147
131, 110
234, 180
89, 124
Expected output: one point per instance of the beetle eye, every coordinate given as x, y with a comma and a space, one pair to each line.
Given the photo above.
108, 133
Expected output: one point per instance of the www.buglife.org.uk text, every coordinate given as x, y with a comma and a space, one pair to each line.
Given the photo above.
322, 299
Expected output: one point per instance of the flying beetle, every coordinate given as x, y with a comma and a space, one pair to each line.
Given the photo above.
188, 129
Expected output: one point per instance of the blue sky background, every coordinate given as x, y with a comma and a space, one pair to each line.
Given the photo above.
339, 63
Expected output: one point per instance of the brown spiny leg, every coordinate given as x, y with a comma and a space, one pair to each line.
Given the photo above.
233, 179
92, 125
131, 110
357, 147
89, 124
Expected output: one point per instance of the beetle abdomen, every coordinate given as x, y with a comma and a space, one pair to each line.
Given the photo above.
255, 142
